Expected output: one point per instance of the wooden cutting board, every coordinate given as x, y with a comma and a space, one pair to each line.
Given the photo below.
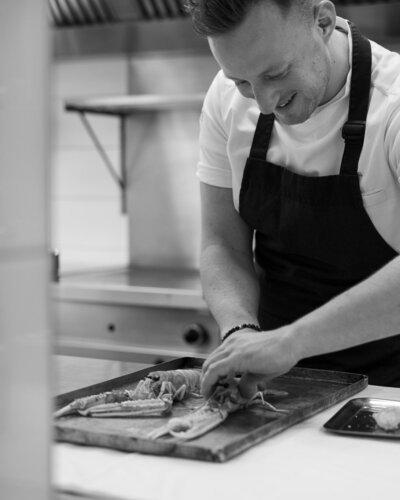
308, 392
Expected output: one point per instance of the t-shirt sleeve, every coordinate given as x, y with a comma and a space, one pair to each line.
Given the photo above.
392, 141
213, 166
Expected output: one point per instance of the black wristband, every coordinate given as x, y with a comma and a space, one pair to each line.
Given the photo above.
236, 328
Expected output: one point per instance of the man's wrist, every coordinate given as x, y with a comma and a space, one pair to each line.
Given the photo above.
298, 339
243, 326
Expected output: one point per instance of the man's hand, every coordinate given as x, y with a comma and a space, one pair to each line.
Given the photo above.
256, 356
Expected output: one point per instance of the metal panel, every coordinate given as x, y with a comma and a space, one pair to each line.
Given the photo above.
128, 38
138, 332
134, 26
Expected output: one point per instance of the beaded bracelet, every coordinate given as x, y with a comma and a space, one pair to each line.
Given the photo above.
236, 328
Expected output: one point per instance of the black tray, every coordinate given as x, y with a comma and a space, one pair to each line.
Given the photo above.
356, 418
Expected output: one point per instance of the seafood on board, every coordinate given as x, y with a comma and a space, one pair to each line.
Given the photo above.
155, 395
226, 399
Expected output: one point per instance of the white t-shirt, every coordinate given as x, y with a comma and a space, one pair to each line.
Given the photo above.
315, 147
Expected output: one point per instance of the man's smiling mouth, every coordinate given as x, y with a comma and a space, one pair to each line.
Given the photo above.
286, 103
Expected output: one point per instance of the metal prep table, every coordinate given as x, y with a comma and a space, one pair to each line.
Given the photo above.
145, 315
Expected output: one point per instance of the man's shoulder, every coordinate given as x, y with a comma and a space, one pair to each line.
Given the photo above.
385, 76
385, 80
225, 101
223, 90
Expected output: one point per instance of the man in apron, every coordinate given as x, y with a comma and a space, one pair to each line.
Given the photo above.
300, 187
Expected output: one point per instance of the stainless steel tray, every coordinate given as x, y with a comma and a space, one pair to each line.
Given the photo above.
356, 417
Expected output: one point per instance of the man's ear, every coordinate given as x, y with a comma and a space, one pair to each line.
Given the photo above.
325, 18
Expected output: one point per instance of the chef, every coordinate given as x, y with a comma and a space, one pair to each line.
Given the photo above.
300, 193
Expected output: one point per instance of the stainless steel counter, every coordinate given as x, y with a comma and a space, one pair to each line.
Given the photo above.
144, 315
73, 372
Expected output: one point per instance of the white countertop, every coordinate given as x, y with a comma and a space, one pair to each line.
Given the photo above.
303, 462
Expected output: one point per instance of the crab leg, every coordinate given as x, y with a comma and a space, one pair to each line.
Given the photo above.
267, 405
86, 402
274, 392
192, 425
139, 408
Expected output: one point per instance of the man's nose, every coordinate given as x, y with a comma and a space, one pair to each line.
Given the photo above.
267, 98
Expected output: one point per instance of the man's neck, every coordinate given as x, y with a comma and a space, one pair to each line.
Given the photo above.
340, 65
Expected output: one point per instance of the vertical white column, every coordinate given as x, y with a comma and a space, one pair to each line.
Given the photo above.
24, 250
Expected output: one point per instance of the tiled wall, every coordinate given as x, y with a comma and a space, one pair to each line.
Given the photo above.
87, 224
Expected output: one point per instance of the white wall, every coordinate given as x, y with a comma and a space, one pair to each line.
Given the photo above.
24, 255
163, 200
163, 191
88, 227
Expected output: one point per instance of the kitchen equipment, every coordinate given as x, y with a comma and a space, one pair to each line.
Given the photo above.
356, 418
135, 314
85, 27
309, 391
145, 309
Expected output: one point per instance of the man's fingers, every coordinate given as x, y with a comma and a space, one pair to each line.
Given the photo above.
222, 351
213, 358
219, 368
209, 380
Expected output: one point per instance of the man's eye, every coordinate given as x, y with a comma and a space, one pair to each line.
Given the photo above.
241, 83
280, 76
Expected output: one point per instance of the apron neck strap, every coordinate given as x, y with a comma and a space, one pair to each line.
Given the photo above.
262, 136
353, 130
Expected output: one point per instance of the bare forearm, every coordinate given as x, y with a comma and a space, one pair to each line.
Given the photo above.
230, 286
366, 312
369, 311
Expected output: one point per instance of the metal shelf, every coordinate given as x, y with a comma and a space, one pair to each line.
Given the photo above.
122, 107
126, 105
170, 288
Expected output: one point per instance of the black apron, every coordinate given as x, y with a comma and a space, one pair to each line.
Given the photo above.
313, 237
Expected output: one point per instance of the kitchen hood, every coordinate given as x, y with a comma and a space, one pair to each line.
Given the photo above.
92, 12
66, 13
91, 27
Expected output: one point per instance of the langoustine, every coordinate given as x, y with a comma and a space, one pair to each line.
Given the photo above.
226, 399
153, 396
